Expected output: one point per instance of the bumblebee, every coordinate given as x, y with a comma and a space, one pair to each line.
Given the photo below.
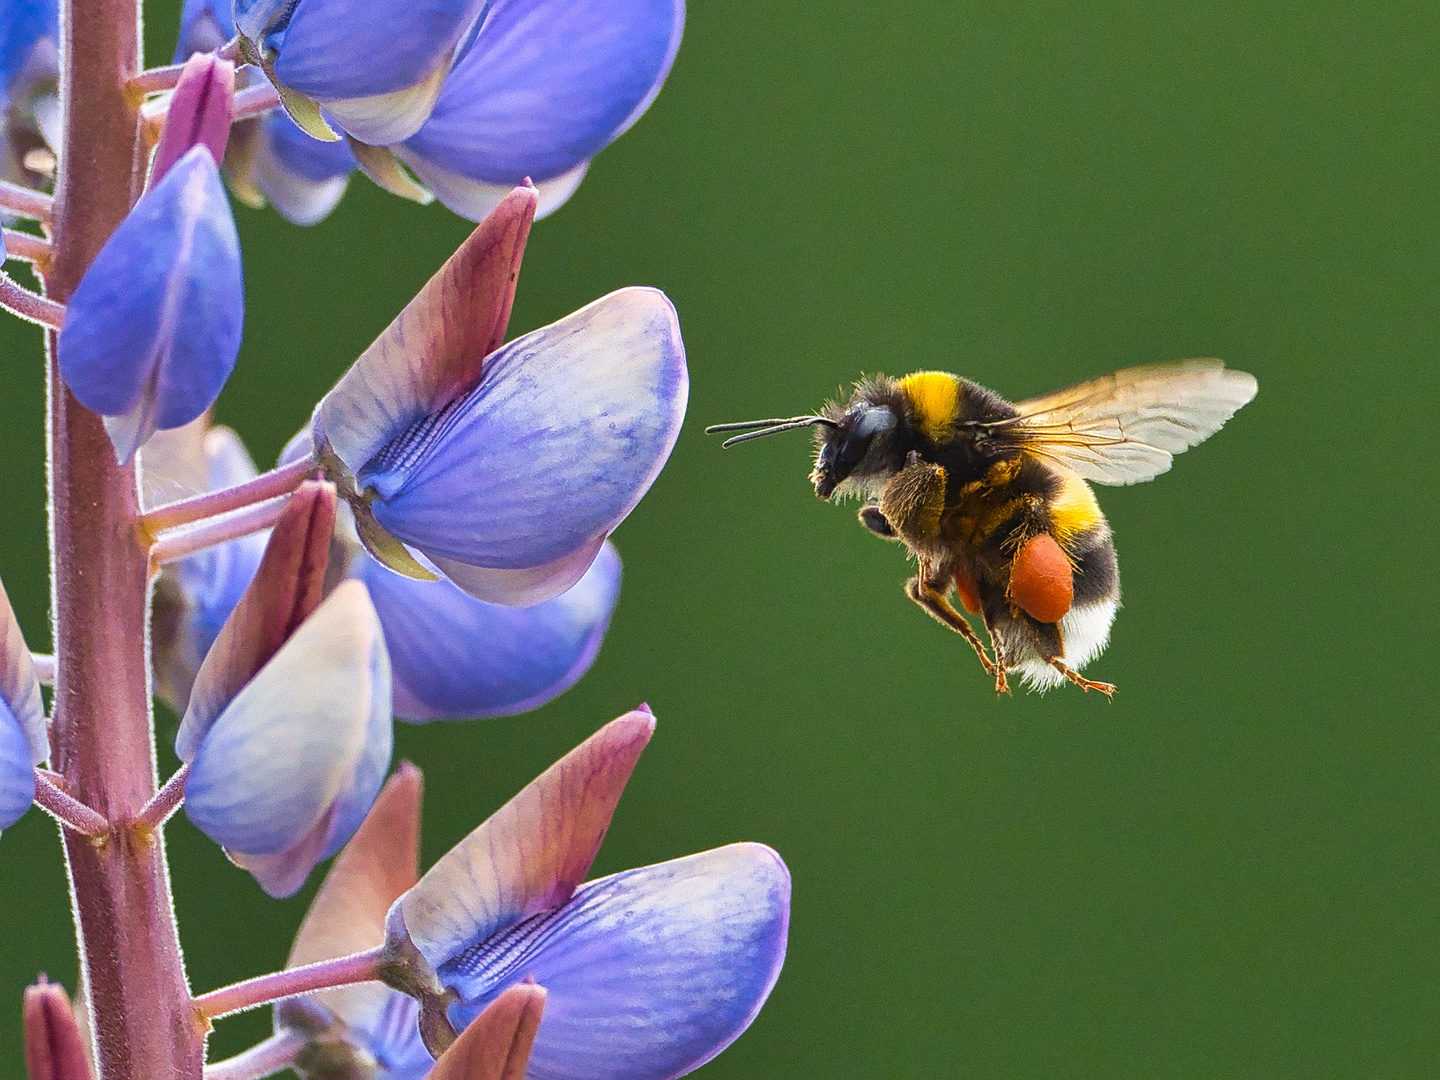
993, 499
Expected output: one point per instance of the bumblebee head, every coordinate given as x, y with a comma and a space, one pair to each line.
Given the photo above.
858, 445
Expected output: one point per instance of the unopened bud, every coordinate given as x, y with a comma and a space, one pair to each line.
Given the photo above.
496, 1045
199, 113
54, 1047
286, 589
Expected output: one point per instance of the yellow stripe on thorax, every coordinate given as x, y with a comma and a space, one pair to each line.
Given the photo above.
1074, 509
936, 397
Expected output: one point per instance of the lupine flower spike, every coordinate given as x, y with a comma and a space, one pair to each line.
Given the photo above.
287, 733
649, 973
507, 475
450, 500
29, 73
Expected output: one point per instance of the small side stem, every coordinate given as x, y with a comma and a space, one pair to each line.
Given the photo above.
27, 246
27, 203
361, 967
166, 801
32, 307
281, 481
153, 80
251, 101
254, 100
261, 1060
66, 809
178, 543
44, 667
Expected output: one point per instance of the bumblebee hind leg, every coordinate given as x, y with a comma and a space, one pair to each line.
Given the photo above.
1108, 689
939, 608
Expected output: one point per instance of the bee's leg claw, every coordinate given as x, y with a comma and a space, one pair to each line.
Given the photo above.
938, 608
1002, 684
1108, 689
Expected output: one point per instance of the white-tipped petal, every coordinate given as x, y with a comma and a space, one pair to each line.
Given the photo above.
474, 199
309, 736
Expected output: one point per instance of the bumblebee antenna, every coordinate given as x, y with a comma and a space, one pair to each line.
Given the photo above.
766, 427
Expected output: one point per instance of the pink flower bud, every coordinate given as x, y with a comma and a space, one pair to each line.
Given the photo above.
54, 1047
199, 112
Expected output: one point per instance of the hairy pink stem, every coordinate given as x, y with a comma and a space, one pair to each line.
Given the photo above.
23, 245
103, 737
27, 203
178, 543
153, 80
30, 306
361, 967
166, 801
69, 811
281, 481
254, 100
249, 102
261, 1060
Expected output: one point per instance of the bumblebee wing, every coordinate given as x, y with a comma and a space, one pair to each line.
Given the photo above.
1126, 427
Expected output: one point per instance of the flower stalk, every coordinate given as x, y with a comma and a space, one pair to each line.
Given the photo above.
166, 801
30, 306
31, 204
361, 967
23, 245
270, 485
263, 1059
66, 809
178, 543
102, 735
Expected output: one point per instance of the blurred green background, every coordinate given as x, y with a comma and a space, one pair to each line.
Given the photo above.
1232, 870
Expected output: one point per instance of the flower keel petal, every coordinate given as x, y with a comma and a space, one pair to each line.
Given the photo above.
651, 972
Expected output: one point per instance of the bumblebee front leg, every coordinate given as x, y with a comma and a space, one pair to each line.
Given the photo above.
1108, 689
938, 607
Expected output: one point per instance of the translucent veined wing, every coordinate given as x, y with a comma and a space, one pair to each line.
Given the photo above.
1126, 427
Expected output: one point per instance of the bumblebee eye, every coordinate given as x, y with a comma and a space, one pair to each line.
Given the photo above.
873, 421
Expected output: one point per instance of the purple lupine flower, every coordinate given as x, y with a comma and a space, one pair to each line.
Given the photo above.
363, 1021
368, 1028
538, 89
650, 973
376, 73
454, 656
29, 80
273, 161
153, 329
23, 739
508, 469
512, 488
288, 734
195, 595
270, 160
